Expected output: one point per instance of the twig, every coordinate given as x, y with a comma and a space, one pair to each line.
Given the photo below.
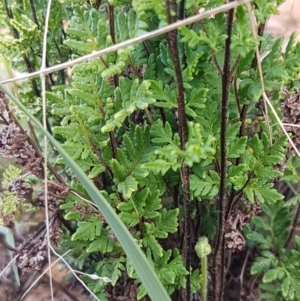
130, 42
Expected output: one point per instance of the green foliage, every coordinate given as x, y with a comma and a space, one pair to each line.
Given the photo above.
10, 203
257, 168
29, 34
278, 264
118, 117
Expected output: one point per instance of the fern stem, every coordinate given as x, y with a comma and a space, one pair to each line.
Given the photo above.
219, 256
33, 11
113, 141
295, 223
183, 134
213, 53
98, 154
180, 10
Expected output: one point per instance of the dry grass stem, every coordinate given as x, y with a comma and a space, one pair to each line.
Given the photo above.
43, 84
130, 42
43, 273
265, 97
74, 273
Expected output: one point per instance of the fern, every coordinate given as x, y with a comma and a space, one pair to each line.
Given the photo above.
120, 117
281, 271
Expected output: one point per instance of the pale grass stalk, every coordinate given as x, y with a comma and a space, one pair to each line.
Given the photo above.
9, 264
280, 123
265, 97
291, 125
93, 276
133, 41
73, 272
83, 199
43, 273
43, 84
259, 60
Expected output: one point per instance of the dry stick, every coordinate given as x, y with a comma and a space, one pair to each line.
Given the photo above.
183, 134
218, 258
130, 42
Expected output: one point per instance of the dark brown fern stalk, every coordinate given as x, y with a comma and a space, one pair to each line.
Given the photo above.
219, 249
183, 134
112, 137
